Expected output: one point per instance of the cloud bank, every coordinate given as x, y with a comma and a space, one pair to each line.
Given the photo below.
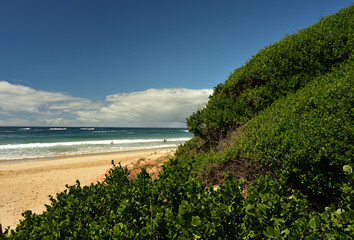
21, 99
22, 105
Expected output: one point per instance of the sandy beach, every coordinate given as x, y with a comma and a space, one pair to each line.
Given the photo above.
26, 185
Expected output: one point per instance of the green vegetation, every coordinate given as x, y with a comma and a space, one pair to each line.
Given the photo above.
273, 72
306, 137
178, 206
277, 139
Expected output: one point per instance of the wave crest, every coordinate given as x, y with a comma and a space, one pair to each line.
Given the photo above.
101, 142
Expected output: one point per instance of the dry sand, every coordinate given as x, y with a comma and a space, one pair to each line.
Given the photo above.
26, 185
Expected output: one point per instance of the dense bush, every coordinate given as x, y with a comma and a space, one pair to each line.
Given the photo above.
275, 71
310, 133
306, 137
177, 206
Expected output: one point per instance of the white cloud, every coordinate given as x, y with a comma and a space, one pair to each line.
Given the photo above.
56, 121
153, 106
17, 98
21, 105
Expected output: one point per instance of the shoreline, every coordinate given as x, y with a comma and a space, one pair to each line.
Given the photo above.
63, 156
26, 185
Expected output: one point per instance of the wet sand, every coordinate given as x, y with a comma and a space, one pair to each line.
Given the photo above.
26, 185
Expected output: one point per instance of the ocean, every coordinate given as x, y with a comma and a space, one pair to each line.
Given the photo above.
27, 143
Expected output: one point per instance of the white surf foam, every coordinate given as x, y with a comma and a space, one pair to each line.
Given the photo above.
100, 142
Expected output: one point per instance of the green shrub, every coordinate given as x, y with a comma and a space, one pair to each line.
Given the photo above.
275, 71
308, 135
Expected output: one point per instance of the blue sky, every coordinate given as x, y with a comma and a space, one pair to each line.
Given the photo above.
131, 63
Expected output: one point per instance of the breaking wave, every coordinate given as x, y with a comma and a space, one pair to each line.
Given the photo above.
100, 142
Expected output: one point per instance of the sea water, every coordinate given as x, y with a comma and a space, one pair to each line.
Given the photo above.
38, 142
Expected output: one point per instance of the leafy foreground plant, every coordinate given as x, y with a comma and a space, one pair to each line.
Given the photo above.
176, 206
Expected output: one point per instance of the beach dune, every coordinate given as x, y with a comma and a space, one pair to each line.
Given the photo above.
26, 185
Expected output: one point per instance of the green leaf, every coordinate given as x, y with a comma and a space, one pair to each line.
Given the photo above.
270, 231
285, 232
276, 232
314, 222
196, 221
348, 169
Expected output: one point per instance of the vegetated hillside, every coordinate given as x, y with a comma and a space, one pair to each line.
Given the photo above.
275, 71
305, 137
289, 108
286, 115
